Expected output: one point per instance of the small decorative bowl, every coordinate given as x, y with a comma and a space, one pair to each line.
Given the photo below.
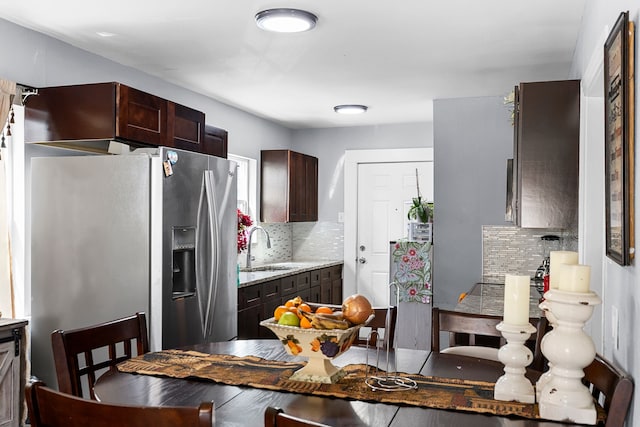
319, 345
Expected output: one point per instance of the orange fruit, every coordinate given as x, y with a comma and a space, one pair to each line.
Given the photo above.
277, 313
323, 309
305, 323
305, 307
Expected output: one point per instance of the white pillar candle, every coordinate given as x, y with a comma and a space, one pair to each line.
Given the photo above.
555, 259
516, 299
574, 278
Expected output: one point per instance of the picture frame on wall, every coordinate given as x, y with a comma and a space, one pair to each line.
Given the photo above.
619, 140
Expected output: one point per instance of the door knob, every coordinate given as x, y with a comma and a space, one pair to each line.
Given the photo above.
362, 260
362, 248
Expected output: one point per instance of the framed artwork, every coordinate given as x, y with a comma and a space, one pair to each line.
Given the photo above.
619, 140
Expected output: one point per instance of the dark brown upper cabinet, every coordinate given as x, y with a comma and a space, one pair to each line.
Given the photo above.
114, 111
289, 186
215, 141
546, 154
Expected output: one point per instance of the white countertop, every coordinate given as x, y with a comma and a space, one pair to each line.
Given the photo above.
281, 269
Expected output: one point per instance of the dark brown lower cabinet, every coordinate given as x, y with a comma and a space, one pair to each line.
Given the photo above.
258, 302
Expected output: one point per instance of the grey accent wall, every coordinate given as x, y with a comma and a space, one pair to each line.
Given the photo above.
620, 285
329, 145
473, 138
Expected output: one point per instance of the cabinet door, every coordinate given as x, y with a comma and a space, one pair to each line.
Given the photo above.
10, 393
274, 186
271, 300
142, 117
185, 127
303, 182
311, 190
249, 322
336, 285
547, 154
215, 141
289, 186
297, 185
288, 287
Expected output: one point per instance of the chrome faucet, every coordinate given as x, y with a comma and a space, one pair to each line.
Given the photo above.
257, 227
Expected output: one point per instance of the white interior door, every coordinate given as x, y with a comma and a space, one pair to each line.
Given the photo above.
385, 193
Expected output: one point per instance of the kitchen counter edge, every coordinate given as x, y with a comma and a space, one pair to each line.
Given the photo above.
256, 277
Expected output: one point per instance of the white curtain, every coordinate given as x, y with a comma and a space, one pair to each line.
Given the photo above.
7, 91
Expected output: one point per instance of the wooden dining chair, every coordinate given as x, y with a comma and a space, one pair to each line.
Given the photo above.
385, 319
611, 387
476, 335
51, 408
275, 417
81, 353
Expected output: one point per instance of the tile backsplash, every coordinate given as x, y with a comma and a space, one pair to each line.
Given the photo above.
300, 241
514, 250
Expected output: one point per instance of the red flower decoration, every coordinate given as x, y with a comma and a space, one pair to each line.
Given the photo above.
244, 221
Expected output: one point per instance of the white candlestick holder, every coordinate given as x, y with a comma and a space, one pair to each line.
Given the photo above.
545, 377
569, 350
513, 385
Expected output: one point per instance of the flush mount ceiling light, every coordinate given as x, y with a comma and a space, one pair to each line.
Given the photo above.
286, 20
350, 109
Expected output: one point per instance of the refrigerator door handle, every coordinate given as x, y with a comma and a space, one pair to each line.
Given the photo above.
206, 262
214, 238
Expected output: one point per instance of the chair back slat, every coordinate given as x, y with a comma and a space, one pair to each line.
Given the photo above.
384, 320
480, 330
611, 387
80, 355
50, 408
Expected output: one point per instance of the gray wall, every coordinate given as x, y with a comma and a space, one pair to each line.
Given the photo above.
330, 144
473, 138
620, 285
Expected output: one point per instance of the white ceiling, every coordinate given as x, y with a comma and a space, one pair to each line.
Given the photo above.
395, 57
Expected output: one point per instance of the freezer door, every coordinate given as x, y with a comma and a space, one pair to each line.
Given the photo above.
198, 304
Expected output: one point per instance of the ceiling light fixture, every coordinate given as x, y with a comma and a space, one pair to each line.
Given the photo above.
286, 20
350, 109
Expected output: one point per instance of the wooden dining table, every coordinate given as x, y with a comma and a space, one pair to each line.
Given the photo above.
245, 406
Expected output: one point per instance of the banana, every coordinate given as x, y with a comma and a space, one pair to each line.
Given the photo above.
325, 321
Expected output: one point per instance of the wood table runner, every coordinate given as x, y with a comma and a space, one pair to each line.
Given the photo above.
432, 392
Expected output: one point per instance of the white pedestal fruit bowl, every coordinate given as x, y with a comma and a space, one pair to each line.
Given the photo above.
318, 345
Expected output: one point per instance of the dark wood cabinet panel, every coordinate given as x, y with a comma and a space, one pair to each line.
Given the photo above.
546, 154
249, 322
113, 111
185, 127
215, 141
258, 302
335, 274
288, 285
141, 117
289, 186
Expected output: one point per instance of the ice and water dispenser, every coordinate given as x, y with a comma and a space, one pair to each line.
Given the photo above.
183, 256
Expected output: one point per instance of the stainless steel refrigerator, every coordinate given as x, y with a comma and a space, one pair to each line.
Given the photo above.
115, 234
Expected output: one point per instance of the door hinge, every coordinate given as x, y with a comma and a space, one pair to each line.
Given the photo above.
15, 337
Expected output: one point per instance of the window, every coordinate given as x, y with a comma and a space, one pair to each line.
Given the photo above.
247, 184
